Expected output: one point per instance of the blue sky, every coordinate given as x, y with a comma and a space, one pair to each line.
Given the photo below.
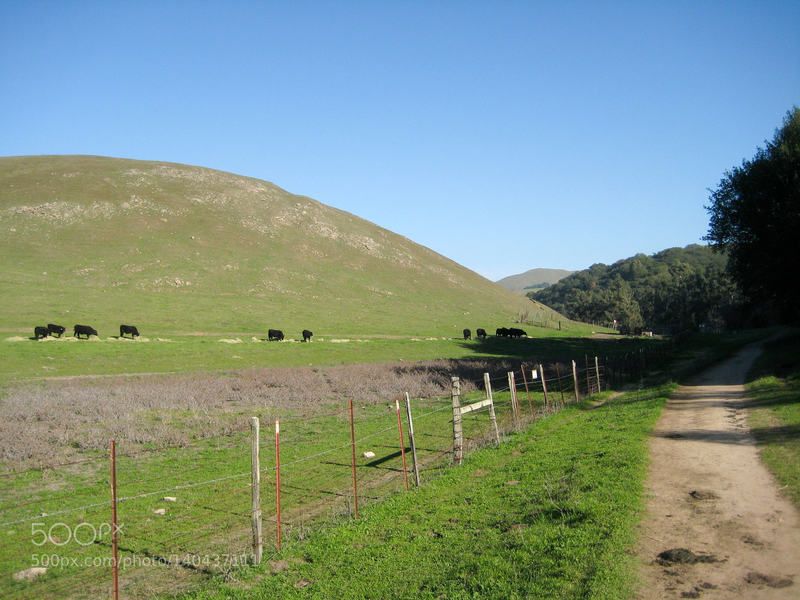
504, 135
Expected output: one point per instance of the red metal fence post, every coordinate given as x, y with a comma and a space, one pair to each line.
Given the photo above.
512, 386
353, 453
402, 442
114, 555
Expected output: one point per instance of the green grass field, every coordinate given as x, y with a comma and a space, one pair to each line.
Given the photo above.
550, 513
24, 358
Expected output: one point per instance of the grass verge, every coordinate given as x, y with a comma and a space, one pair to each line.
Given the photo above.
774, 416
550, 514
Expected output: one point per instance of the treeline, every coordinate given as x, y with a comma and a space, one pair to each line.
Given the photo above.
675, 290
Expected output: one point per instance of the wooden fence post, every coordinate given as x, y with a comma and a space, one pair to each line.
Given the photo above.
413, 442
278, 482
575, 380
492, 417
458, 432
544, 386
255, 491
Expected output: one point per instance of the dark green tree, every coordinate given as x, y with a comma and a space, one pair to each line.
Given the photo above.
628, 314
755, 218
675, 290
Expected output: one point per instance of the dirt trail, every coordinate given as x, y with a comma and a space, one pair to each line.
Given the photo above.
708, 493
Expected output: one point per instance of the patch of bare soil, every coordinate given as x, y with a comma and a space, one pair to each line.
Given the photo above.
716, 525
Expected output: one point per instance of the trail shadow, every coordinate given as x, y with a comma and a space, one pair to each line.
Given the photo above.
716, 436
744, 437
778, 398
779, 434
700, 393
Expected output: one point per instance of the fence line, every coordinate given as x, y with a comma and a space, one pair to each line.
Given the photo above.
216, 513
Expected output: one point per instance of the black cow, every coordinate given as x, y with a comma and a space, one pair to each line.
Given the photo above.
307, 335
55, 329
80, 330
129, 329
481, 333
275, 335
467, 334
502, 332
516, 333
40, 332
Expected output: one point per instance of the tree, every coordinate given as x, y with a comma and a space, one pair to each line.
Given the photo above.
629, 317
755, 217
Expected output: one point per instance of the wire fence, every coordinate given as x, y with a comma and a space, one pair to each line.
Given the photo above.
185, 512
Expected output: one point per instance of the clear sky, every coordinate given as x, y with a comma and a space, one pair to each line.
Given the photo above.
504, 135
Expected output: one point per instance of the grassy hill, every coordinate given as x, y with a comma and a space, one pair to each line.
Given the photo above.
533, 279
178, 249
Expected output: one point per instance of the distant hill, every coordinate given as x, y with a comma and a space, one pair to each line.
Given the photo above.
533, 279
674, 290
177, 248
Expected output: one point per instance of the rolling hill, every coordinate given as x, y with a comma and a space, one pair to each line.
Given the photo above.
176, 248
533, 279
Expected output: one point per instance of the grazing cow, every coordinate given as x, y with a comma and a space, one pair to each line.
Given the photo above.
516, 333
80, 330
467, 334
481, 333
502, 332
55, 329
129, 329
275, 335
307, 335
40, 332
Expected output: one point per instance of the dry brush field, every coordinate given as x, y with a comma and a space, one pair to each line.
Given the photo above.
53, 421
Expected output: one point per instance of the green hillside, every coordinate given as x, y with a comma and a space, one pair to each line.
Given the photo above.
533, 279
179, 249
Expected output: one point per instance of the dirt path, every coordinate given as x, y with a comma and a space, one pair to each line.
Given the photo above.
708, 493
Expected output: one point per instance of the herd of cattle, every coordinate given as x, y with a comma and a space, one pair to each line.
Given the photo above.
274, 335
501, 332
131, 330
79, 330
